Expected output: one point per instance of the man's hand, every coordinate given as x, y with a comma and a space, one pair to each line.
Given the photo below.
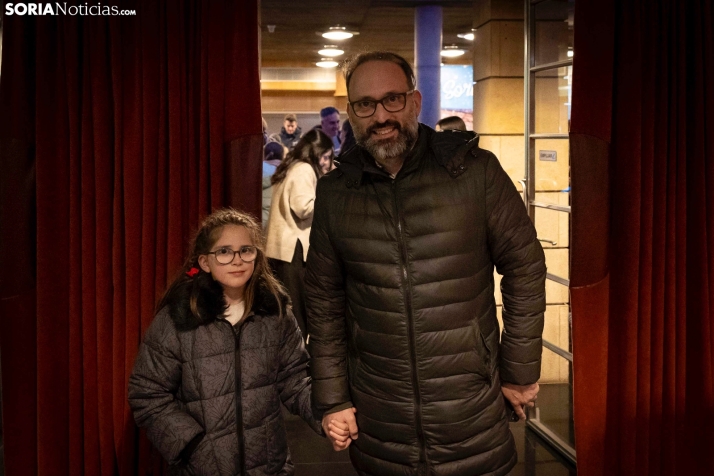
520, 396
341, 428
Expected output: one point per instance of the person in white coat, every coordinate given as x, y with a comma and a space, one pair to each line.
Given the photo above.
292, 204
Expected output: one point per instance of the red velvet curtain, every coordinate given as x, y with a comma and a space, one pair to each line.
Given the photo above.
117, 135
642, 140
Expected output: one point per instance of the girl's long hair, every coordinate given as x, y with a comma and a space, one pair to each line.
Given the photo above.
311, 146
206, 236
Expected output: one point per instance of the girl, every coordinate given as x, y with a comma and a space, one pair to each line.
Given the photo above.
294, 186
221, 354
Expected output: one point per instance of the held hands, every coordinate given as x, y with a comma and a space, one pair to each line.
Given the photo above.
341, 428
520, 396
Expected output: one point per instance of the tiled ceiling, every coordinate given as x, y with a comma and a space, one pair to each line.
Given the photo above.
382, 25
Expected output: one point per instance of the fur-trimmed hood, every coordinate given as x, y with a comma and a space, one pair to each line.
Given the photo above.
211, 303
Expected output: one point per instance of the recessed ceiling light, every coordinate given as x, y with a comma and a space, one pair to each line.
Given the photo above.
327, 63
467, 36
452, 51
338, 33
331, 50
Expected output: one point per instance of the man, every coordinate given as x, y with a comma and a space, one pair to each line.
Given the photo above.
290, 133
450, 123
330, 125
399, 286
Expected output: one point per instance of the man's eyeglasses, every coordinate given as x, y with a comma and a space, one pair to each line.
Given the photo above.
391, 103
226, 255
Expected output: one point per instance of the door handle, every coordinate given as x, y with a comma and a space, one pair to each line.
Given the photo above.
525, 191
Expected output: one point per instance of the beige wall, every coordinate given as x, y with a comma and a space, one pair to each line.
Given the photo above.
303, 96
498, 74
300, 101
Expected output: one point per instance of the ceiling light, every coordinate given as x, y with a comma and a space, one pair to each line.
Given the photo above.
467, 36
338, 33
327, 63
452, 51
331, 50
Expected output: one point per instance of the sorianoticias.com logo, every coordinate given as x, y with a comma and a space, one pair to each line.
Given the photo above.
61, 8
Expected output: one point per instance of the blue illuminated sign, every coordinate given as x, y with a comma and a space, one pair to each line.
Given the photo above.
457, 89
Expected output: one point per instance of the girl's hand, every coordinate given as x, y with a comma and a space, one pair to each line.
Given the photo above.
341, 428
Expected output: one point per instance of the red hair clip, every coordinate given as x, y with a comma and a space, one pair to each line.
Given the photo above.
192, 272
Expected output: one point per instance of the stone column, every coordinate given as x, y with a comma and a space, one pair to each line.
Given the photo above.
498, 77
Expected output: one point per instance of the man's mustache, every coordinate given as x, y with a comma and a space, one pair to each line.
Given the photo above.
379, 125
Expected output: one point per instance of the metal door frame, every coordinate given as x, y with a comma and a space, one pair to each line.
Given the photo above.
564, 448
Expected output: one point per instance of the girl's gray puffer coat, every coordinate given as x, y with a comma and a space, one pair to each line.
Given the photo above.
183, 387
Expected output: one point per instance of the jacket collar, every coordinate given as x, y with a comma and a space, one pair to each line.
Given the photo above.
449, 148
294, 135
357, 162
211, 304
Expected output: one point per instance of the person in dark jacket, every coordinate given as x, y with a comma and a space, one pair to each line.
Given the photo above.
407, 356
347, 137
221, 354
290, 133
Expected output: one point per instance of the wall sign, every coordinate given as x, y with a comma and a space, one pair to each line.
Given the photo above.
457, 88
548, 155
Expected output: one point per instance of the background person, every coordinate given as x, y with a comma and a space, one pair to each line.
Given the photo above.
291, 208
222, 353
266, 138
330, 125
273, 153
399, 289
451, 123
347, 137
290, 133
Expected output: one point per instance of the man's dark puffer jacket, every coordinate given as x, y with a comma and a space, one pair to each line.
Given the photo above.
184, 386
288, 140
402, 316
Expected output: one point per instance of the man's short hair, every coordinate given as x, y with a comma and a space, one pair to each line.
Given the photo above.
328, 111
352, 63
452, 123
290, 117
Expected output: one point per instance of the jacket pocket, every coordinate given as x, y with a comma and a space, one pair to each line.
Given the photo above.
201, 462
277, 445
482, 352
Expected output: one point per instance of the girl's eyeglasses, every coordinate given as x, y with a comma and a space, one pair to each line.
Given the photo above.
226, 255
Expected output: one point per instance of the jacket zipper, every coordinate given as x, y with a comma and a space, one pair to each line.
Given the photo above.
238, 398
412, 333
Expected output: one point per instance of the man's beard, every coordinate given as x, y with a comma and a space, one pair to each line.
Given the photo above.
383, 150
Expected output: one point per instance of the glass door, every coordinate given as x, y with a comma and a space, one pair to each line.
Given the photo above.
548, 30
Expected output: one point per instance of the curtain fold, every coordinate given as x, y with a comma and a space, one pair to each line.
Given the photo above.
18, 290
115, 139
643, 338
